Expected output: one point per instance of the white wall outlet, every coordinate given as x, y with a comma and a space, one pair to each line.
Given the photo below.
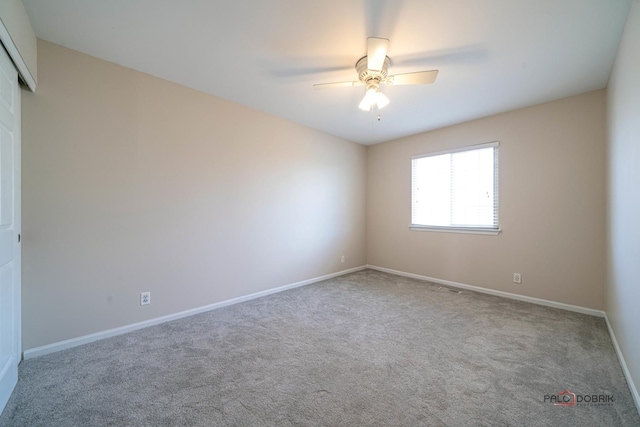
145, 298
342, 258
517, 278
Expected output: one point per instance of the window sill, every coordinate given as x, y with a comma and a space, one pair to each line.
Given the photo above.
464, 230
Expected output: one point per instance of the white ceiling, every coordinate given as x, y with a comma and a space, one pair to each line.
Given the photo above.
493, 55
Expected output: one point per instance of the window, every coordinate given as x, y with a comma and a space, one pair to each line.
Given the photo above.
456, 190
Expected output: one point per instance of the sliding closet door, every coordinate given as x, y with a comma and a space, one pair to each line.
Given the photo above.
10, 332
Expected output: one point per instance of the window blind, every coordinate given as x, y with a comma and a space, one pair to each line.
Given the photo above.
456, 188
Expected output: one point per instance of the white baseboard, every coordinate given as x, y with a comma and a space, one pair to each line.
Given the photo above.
569, 307
74, 342
623, 364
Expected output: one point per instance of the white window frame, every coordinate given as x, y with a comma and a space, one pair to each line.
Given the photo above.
490, 230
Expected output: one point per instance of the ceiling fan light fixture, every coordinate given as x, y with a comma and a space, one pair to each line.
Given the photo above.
372, 97
381, 100
369, 99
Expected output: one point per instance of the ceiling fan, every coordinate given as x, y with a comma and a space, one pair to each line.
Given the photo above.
373, 70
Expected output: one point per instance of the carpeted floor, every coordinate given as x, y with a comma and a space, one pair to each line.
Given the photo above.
364, 349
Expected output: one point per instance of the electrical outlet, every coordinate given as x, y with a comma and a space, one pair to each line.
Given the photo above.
145, 298
517, 278
342, 258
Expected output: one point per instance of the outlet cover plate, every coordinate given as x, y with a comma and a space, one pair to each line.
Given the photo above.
145, 298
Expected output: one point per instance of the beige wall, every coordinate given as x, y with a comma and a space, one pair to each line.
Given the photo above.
132, 183
623, 249
552, 205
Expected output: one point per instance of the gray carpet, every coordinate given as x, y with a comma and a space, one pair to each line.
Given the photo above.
364, 349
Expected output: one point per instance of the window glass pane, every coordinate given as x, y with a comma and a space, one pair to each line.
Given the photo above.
456, 189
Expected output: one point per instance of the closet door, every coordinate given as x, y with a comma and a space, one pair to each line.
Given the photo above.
10, 326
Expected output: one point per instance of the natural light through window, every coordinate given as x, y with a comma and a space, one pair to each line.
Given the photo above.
456, 190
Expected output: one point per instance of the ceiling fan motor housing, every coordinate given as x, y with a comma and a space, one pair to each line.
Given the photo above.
367, 76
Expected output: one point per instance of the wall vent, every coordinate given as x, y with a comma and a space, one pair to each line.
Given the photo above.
455, 291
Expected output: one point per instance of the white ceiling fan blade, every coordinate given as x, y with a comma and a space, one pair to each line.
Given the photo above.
376, 53
418, 78
334, 85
